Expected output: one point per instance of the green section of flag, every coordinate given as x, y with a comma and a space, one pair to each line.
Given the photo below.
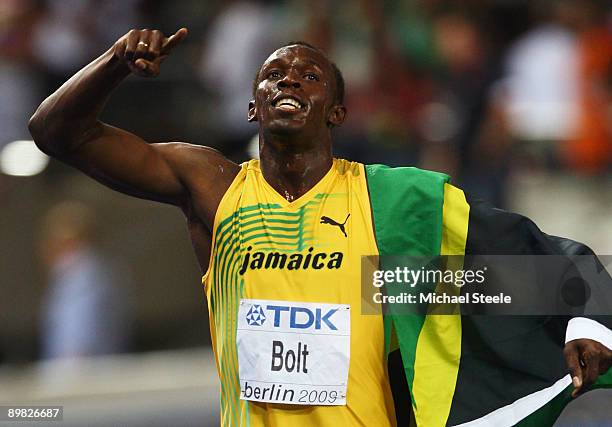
407, 212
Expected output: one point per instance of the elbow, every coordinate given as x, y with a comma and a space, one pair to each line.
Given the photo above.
37, 130
35, 125
43, 131
54, 134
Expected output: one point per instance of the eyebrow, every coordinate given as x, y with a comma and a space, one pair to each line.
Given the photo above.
306, 61
315, 63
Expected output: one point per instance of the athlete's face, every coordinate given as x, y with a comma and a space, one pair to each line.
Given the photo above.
295, 92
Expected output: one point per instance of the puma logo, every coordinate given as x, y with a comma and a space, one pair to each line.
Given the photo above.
328, 220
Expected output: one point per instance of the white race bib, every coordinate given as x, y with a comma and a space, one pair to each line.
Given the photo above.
293, 352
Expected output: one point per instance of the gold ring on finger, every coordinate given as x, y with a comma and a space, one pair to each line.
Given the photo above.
143, 43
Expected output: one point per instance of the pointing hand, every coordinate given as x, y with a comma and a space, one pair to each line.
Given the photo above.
143, 51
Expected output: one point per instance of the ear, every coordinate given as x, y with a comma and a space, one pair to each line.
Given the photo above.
337, 114
252, 116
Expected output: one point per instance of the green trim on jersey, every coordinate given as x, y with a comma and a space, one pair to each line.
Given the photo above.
233, 235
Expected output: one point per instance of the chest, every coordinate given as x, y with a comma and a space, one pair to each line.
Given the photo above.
309, 252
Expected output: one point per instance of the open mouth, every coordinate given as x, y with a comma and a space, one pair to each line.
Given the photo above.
287, 103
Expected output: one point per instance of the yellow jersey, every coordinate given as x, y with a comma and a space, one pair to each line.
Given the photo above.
309, 251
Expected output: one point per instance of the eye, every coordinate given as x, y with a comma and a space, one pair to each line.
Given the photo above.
312, 77
274, 74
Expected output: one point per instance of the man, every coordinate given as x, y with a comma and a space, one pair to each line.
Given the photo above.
85, 309
280, 240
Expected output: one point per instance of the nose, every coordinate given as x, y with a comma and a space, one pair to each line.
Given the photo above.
289, 81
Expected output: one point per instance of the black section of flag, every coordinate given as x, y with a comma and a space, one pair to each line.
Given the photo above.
505, 358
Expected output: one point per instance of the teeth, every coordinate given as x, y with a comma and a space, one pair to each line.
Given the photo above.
288, 102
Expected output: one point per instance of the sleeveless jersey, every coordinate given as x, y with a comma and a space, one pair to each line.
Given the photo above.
330, 226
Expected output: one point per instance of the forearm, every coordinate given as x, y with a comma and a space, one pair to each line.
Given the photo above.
68, 116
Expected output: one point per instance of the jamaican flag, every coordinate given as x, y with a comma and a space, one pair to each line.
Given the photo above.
468, 370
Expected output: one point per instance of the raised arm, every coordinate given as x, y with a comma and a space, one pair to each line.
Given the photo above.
67, 126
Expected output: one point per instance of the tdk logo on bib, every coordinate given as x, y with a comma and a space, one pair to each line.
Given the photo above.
293, 317
255, 316
302, 317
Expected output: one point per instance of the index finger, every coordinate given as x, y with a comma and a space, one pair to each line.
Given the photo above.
172, 41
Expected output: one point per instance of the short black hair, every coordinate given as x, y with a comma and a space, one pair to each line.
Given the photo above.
339, 89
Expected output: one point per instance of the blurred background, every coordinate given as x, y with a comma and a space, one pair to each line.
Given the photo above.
101, 306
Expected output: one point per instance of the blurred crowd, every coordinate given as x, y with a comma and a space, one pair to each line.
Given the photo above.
479, 89
472, 88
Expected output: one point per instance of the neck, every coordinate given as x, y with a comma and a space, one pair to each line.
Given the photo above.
293, 166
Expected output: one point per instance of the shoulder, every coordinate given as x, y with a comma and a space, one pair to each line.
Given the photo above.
380, 170
181, 152
205, 172
197, 161
410, 180
348, 168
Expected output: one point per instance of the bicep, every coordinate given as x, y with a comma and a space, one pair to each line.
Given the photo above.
127, 163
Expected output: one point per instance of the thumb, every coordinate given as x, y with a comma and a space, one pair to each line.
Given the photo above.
145, 68
172, 41
577, 382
